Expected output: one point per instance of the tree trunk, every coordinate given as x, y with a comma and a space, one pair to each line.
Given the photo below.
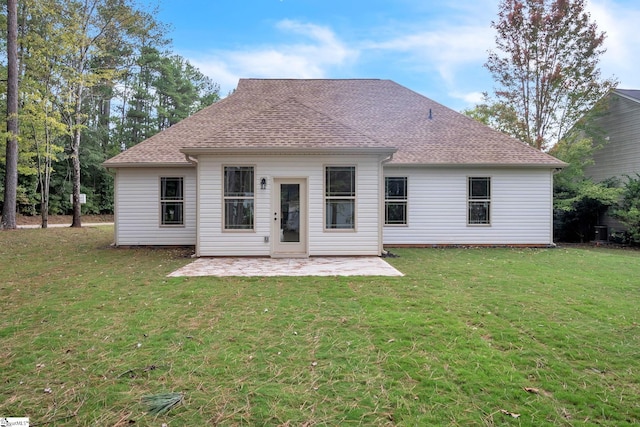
75, 162
11, 173
44, 190
44, 214
44, 176
75, 156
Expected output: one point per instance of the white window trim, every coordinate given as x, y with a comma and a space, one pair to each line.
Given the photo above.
225, 198
161, 201
469, 200
405, 200
354, 198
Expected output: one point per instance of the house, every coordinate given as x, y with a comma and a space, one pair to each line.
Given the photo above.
288, 168
620, 125
620, 156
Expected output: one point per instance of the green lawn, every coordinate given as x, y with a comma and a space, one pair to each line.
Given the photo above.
467, 337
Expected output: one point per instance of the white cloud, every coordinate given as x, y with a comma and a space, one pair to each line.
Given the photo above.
328, 49
470, 98
619, 20
445, 50
314, 57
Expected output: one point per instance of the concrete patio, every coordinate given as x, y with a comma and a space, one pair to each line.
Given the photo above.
316, 266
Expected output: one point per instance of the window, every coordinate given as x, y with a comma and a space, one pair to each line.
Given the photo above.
479, 201
395, 200
238, 197
171, 201
340, 197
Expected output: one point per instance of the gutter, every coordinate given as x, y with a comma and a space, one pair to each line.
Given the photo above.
286, 150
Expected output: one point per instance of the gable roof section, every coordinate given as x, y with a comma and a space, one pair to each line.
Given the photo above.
288, 124
313, 114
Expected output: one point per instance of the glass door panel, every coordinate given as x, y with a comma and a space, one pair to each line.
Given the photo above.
289, 213
289, 227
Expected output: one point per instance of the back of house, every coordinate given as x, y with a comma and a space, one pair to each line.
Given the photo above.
297, 168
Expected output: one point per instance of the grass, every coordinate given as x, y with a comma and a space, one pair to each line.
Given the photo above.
87, 331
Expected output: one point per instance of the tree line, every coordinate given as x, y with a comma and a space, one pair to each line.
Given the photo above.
95, 77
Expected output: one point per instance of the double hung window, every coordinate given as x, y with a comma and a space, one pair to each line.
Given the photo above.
340, 197
171, 201
239, 198
395, 200
479, 201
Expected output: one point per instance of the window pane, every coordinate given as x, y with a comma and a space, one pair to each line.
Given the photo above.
396, 188
238, 181
396, 213
238, 214
171, 201
172, 213
479, 188
340, 214
341, 181
171, 188
479, 212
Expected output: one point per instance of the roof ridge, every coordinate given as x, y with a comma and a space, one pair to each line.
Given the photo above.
311, 80
275, 106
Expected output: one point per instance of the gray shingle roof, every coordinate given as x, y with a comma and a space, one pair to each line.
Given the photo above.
314, 114
629, 93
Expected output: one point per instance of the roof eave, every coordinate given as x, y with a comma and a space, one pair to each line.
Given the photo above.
624, 95
117, 165
559, 165
194, 151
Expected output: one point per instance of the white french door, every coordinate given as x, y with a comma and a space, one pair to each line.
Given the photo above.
289, 222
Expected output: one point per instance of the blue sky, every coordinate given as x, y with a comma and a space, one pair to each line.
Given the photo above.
436, 48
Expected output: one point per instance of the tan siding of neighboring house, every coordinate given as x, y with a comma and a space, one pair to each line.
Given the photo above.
521, 206
137, 207
621, 155
214, 241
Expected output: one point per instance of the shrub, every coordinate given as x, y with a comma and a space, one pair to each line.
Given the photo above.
627, 210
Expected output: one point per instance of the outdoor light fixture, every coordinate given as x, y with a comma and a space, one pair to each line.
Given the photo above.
263, 183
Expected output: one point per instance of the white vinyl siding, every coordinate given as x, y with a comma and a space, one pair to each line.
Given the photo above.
214, 241
138, 218
521, 207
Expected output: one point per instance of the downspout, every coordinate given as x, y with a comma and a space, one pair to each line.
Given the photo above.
194, 161
114, 174
381, 250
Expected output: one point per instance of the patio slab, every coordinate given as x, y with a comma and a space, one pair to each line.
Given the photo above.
316, 266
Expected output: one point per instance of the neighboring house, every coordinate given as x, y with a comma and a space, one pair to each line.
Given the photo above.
330, 167
620, 156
